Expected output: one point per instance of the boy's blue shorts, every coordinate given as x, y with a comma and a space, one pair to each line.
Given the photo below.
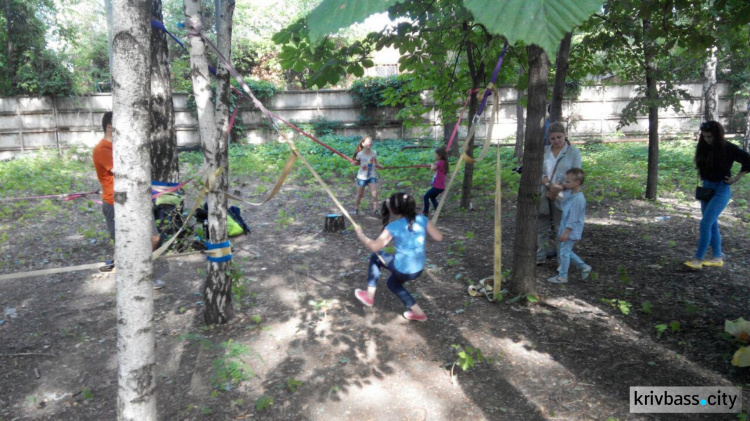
362, 183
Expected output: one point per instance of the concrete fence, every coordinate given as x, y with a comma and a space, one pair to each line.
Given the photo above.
28, 123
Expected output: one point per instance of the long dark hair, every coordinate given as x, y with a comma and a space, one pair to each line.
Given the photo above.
401, 204
708, 157
443, 155
360, 147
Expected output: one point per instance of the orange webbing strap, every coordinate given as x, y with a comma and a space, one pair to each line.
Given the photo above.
464, 156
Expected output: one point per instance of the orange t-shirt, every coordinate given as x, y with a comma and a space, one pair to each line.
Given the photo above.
103, 164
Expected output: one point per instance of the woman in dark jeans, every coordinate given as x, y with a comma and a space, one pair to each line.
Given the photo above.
714, 157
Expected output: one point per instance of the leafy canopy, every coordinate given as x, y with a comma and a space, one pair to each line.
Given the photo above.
540, 22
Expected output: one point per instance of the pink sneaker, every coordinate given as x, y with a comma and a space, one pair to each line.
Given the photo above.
362, 296
408, 315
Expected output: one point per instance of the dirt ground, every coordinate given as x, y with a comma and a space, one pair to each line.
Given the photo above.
311, 351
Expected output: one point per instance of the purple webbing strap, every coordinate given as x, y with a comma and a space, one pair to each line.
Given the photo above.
487, 93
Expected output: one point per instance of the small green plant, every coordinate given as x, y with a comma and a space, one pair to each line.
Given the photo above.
646, 307
621, 305
467, 357
623, 275
87, 393
470, 235
263, 402
231, 369
660, 329
292, 385
283, 220
451, 262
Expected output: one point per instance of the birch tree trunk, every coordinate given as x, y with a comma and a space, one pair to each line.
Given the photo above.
164, 162
110, 34
652, 93
523, 278
520, 122
216, 291
710, 93
136, 399
561, 73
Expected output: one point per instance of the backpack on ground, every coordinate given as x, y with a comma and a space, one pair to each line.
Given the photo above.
235, 224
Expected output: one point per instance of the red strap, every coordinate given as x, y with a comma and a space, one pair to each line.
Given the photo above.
460, 116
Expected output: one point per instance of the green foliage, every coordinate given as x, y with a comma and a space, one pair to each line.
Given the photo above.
621, 305
322, 127
263, 402
467, 357
231, 369
292, 385
646, 307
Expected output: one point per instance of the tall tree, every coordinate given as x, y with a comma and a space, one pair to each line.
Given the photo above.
523, 277
561, 73
710, 91
164, 160
213, 124
131, 127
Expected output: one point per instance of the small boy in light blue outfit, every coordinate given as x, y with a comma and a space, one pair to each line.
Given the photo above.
571, 226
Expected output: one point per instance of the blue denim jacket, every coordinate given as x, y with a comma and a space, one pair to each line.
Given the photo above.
574, 215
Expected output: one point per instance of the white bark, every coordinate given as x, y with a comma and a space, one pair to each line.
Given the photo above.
710, 93
131, 126
213, 125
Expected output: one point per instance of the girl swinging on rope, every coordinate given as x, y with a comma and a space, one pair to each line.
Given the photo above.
367, 159
409, 232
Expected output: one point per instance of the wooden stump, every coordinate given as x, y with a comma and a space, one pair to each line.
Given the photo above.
334, 223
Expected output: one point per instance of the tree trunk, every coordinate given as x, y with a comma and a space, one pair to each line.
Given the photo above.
10, 60
469, 168
561, 72
477, 72
746, 139
652, 93
710, 93
447, 131
110, 26
520, 122
523, 278
217, 292
136, 399
164, 161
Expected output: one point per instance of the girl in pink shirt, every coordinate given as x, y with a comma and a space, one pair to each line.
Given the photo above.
440, 167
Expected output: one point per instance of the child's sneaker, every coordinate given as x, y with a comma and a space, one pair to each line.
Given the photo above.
585, 272
362, 297
557, 280
716, 261
694, 264
408, 315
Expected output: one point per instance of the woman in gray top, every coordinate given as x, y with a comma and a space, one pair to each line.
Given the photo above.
559, 157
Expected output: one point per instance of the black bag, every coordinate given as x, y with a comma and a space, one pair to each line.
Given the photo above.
704, 194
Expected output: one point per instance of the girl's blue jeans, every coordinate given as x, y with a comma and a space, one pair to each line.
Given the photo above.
431, 196
709, 229
395, 281
565, 255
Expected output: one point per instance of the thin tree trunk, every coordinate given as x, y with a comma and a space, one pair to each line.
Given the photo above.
710, 93
523, 278
561, 72
217, 290
136, 399
746, 139
652, 93
476, 69
164, 162
110, 26
10, 60
520, 121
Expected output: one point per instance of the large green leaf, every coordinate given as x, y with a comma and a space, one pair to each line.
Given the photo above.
332, 15
540, 22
